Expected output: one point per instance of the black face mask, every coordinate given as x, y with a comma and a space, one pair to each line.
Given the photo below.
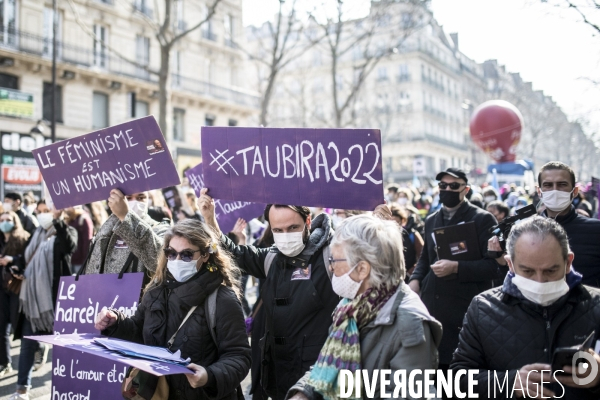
449, 198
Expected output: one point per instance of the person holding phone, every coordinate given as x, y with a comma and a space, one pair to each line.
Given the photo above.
519, 328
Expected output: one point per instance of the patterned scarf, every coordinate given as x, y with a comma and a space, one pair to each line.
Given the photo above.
342, 347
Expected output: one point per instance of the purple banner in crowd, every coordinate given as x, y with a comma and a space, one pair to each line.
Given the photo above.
77, 304
84, 343
132, 157
227, 212
338, 168
79, 301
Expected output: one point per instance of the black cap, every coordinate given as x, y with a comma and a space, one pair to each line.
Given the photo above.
455, 172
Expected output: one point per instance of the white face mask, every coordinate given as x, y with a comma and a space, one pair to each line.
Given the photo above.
345, 286
291, 244
139, 208
557, 200
45, 220
402, 201
181, 270
489, 199
543, 294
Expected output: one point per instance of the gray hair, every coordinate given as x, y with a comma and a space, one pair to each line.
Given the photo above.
376, 241
542, 228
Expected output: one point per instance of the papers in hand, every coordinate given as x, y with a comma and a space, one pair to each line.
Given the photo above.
142, 351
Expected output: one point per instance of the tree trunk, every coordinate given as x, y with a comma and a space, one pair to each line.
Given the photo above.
264, 104
164, 94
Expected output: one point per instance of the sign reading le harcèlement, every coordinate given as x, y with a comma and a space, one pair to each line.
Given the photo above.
132, 157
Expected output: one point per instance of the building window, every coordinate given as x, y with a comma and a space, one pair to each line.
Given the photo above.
8, 22
179, 22
403, 73
48, 21
99, 46
178, 124
9, 81
382, 74
177, 68
228, 28
142, 55
209, 120
143, 6
207, 29
100, 111
47, 102
141, 109
232, 122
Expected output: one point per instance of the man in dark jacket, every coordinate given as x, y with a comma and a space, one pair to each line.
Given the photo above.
298, 299
447, 287
557, 189
510, 331
14, 202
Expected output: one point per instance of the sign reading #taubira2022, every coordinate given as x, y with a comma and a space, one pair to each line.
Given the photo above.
338, 168
132, 157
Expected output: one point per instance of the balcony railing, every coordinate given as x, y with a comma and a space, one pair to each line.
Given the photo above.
217, 92
81, 57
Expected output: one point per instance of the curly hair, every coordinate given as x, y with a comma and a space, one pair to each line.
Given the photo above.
202, 236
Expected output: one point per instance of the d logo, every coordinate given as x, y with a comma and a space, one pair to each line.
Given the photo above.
593, 365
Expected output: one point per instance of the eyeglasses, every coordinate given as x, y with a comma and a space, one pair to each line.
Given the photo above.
334, 260
453, 185
185, 255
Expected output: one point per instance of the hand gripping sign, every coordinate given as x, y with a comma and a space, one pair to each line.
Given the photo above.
132, 157
227, 212
338, 168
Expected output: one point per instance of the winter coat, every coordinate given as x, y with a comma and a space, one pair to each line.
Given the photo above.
116, 240
161, 312
297, 302
584, 240
64, 246
503, 332
448, 298
403, 336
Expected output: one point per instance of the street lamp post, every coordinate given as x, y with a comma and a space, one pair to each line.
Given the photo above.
53, 106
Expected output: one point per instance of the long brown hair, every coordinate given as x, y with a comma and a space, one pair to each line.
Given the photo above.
18, 236
202, 236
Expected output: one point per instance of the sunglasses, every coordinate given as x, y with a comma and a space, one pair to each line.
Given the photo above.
185, 255
453, 185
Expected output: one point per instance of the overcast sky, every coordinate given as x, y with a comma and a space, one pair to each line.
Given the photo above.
548, 46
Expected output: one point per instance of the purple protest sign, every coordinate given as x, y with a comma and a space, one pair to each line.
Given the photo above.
79, 301
227, 212
338, 168
132, 157
84, 343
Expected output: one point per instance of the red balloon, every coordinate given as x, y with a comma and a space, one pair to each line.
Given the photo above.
496, 129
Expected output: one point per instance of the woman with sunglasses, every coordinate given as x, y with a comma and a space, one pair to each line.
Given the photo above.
380, 324
190, 268
12, 247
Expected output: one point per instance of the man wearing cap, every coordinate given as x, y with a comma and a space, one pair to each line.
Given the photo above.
447, 287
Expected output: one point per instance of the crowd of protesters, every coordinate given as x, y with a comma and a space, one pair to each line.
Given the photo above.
337, 289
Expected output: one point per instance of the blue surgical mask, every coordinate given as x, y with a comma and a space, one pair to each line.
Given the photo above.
6, 226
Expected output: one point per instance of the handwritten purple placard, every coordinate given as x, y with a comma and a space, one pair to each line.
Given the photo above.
84, 343
227, 212
75, 373
338, 168
132, 157
79, 301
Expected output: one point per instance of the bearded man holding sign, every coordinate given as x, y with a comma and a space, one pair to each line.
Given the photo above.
298, 298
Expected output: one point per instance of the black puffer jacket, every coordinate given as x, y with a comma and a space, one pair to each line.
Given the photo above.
584, 240
298, 301
502, 332
227, 363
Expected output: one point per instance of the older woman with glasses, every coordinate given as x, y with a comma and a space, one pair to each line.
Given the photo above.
173, 314
380, 323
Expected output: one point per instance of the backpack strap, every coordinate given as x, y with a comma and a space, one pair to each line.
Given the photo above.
131, 259
172, 340
268, 261
210, 305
